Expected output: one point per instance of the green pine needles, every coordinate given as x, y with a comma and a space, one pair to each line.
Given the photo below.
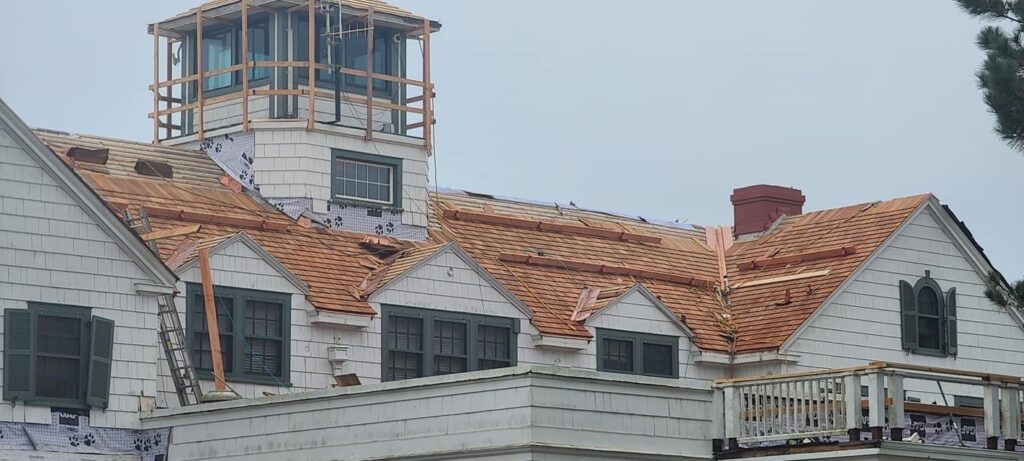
1001, 76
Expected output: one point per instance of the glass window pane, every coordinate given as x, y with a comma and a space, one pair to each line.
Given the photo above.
361, 189
384, 192
405, 333
617, 355
444, 365
59, 335
217, 51
657, 359
264, 357
202, 358
405, 365
259, 49
928, 333
361, 171
350, 189
449, 338
927, 302
58, 377
262, 319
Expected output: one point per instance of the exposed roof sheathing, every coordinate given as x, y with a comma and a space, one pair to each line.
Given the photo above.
551, 258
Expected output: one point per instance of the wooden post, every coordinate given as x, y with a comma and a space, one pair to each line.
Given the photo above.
876, 403
992, 427
156, 83
245, 65
896, 408
733, 406
199, 70
718, 420
1011, 416
851, 394
311, 85
370, 74
212, 329
428, 89
170, 89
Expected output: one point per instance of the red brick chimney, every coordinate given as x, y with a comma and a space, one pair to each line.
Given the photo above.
755, 208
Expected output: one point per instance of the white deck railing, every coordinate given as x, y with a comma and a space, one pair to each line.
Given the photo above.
829, 403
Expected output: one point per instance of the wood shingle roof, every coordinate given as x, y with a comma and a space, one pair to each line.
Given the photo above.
546, 256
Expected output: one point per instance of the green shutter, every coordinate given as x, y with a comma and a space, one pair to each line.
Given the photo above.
951, 342
101, 353
908, 314
18, 353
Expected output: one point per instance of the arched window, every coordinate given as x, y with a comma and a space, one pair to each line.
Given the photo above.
929, 318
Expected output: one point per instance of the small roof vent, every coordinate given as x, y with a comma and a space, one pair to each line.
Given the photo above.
155, 169
94, 156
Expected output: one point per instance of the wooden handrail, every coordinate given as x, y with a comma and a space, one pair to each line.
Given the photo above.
873, 366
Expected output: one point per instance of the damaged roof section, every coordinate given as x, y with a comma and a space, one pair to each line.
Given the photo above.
560, 264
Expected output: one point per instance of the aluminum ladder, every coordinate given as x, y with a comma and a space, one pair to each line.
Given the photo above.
172, 335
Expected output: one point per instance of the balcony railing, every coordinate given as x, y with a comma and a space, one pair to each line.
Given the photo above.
828, 404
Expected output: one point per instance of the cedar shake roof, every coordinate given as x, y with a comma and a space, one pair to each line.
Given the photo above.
552, 258
769, 303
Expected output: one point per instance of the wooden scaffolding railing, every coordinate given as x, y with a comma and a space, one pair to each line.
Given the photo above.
166, 106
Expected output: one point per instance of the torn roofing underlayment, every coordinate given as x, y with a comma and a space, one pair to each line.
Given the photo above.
551, 258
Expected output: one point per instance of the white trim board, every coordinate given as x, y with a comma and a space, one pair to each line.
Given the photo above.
248, 241
454, 248
651, 298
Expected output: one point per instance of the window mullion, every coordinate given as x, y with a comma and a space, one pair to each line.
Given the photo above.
472, 360
427, 345
638, 354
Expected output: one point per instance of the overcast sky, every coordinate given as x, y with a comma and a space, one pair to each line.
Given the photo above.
657, 108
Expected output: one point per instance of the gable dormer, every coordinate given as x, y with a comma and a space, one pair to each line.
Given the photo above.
301, 113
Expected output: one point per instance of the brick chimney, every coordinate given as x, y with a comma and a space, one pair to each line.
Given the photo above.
755, 208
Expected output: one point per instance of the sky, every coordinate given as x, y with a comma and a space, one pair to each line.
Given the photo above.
653, 108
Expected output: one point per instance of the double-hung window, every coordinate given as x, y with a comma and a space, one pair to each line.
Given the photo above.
57, 355
928, 317
253, 327
423, 342
637, 353
372, 179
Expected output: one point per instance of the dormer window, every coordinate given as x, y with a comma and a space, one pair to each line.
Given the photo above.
370, 179
928, 317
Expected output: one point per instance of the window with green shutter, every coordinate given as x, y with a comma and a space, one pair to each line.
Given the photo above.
928, 317
254, 327
637, 353
57, 355
424, 342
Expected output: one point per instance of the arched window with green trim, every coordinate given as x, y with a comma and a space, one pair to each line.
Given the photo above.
928, 317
